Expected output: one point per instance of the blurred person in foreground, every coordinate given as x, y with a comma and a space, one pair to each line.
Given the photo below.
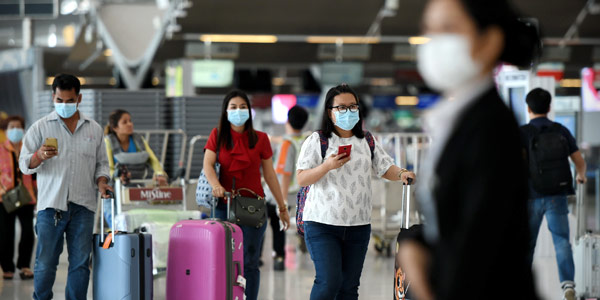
10, 178
549, 145
69, 177
473, 188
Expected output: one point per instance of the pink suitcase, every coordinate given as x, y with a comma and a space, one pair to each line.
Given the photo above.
205, 261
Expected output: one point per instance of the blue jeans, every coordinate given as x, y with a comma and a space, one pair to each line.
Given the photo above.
338, 253
555, 209
76, 225
253, 238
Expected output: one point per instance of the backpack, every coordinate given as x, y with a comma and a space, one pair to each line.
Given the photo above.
303, 193
549, 169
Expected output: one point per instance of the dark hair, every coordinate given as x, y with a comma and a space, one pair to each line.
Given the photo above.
66, 82
327, 126
11, 119
113, 121
224, 137
297, 117
522, 44
539, 101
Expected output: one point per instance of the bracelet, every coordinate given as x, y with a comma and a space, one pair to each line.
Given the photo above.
284, 208
402, 170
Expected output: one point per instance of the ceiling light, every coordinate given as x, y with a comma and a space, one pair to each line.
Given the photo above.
418, 40
67, 7
69, 35
52, 40
407, 100
108, 52
570, 83
238, 38
342, 39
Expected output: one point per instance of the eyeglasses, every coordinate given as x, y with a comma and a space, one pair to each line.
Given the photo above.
343, 108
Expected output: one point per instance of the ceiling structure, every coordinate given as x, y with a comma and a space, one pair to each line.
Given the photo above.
301, 19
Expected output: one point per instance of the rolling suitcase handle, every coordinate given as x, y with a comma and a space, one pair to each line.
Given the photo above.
112, 214
406, 203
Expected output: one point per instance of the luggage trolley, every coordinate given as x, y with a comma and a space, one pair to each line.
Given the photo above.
142, 206
406, 149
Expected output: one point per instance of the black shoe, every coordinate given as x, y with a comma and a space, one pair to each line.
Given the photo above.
278, 264
260, 263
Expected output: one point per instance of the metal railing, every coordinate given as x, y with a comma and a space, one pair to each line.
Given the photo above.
193, 141
165, 142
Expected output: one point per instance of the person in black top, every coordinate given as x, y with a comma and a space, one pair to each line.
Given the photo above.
473, 190
548, 146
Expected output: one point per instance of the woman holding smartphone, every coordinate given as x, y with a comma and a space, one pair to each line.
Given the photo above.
337, 211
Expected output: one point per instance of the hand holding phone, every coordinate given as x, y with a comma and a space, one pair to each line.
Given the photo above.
51, 142
49, 149
346, 149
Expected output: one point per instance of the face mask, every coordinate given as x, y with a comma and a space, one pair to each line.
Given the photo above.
65, 110
15, 135
445, 62
347, 120
238, 117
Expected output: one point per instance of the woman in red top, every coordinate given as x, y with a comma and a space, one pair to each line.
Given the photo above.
242, 152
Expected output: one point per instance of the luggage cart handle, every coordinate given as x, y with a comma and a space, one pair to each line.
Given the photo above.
410, 181
111, 196
406, 204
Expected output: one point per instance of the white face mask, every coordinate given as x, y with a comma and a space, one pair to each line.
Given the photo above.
445, 62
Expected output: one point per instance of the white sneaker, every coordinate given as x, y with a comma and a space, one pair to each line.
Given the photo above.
569, 294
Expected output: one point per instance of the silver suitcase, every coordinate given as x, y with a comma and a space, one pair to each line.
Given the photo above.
586, 255
587, 266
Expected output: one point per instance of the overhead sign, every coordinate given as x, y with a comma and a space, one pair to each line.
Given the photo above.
349, 51
39, 9
212, 73
215, 50
338, 73
589, 93
280, 106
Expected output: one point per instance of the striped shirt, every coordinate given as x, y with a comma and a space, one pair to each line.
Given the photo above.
71, 175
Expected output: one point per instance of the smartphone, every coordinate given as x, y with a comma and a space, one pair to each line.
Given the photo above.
51, 142
345, 149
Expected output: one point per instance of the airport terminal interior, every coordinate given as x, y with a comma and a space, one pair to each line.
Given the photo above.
170, 63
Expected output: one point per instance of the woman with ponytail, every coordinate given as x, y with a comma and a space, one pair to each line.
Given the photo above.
473, 188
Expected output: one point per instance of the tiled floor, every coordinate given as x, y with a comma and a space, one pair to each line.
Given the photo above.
295, 283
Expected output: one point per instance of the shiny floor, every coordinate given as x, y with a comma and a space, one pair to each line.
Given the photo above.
296, 281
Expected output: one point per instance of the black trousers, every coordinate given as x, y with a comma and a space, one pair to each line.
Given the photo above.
278, 236
7, 237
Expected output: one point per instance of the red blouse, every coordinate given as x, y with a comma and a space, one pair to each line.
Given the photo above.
240, 161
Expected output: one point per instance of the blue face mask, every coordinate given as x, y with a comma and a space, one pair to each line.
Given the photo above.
346, 121
238, 117
65, 110
15, 135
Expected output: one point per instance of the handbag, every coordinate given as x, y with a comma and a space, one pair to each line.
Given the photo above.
248, 211
15, 198
204, 195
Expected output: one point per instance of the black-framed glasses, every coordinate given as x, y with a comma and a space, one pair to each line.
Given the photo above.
343, 108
